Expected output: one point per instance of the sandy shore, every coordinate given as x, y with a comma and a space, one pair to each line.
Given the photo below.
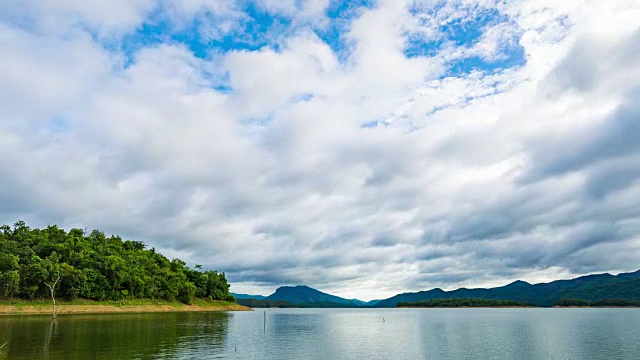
22, 309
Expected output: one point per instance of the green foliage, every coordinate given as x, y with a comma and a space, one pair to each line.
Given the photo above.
9, 283
187, 292
462, 302
97, 267
8, 262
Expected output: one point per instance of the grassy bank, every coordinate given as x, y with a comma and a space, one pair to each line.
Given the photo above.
80, 306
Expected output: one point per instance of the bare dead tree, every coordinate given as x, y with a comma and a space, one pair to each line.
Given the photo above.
53, 294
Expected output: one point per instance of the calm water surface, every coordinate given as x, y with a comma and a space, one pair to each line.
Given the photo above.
329, 334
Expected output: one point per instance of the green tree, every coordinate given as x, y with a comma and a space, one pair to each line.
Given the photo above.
187, 292
9, 283
95, 266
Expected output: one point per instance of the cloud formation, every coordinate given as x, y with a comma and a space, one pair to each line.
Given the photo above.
364, 148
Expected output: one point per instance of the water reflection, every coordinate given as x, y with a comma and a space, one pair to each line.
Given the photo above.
47, 343
114, 336
329, 334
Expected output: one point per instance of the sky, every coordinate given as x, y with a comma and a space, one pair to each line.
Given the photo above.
364, 148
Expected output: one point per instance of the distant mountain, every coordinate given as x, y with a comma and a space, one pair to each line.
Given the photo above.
302, 294
358, 302
624, 286
247, 296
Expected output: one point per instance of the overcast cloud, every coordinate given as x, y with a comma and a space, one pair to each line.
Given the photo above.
364, 148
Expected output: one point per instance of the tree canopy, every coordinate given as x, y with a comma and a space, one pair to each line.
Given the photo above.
597, 303
97, 267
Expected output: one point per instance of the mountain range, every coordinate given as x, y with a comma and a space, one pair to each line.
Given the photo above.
303, 295
625, 286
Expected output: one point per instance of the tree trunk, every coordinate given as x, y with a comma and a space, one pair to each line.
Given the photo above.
53, 295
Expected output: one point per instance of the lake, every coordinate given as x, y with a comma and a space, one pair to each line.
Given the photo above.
329, 334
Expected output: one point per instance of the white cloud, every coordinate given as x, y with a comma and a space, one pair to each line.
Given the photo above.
107, 18
276, 182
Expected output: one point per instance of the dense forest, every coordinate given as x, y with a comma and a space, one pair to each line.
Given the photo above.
598, 303
93, 266
462, 302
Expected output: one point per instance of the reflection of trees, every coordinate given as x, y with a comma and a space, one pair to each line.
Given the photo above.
117, 336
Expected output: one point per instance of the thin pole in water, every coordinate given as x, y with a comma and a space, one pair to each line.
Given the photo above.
264, 328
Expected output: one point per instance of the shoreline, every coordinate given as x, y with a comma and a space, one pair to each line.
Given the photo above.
597, 307
138, 306
467, 307
517, 307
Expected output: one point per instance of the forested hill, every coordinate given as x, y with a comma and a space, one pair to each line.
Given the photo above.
302, 294
94, 266
596, 287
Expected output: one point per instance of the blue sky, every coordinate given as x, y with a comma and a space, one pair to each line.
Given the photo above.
255, 27
364, 148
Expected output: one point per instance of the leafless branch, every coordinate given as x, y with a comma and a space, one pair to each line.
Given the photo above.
53, 294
